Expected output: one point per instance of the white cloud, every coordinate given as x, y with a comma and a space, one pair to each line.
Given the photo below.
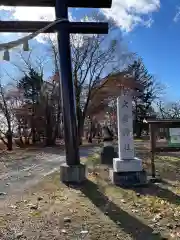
177, 16
32, 13
126, 13
129, 13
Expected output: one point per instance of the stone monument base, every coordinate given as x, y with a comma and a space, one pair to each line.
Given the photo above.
127, 173
74, 174
128, 179
127, 165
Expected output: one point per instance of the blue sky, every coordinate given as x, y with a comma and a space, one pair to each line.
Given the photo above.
159, 45
151, 27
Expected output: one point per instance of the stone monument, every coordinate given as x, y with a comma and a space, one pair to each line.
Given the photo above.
108, 152
127, 169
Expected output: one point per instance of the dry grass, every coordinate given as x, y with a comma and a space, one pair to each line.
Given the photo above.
96, 210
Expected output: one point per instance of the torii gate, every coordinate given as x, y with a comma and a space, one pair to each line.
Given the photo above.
64, 28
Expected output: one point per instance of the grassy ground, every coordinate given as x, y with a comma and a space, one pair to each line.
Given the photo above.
97, 210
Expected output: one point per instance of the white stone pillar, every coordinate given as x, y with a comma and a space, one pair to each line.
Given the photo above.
127, 162
125, 127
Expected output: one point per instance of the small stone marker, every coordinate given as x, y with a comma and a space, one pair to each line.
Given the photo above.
108, 151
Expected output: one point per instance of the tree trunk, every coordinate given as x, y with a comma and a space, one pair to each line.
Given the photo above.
80, 119
9, 142
90, 133
49, 128
33, 130
21, 140
33, 135
50, 139
9, 138
20, 134
90, 138
139, 129
80, 132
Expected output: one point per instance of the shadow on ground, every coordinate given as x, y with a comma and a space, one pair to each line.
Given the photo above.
126, 222
158, 191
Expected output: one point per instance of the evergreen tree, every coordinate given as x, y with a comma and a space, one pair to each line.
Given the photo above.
143, 102
31, 85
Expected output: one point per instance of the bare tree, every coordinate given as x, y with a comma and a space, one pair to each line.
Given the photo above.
169, 110
29, 60
40, 109
8, 120
51, 107
93, 58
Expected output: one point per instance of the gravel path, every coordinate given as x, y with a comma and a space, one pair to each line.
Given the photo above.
21, 174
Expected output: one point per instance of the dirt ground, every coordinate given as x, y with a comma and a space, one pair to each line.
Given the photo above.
97, 209
22, 168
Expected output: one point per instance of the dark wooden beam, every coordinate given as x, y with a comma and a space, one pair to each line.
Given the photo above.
51, 3
165, 123
74, 27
